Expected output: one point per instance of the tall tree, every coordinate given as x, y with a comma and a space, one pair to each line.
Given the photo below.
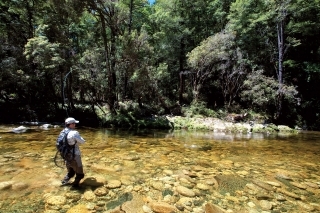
261, 29
18, 20
218, 58
282, 48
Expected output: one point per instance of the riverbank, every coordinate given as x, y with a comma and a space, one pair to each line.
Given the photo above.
193, 118
201, 123
218, 125
198, 123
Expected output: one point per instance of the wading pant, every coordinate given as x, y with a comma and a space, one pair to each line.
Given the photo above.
75, 167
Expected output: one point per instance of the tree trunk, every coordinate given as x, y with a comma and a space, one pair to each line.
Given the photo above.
281, 51
110, 74
130, 16
182, 77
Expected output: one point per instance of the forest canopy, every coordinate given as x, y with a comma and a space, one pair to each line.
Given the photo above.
107, 57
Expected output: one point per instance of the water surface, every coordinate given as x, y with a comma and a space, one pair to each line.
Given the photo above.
28, 172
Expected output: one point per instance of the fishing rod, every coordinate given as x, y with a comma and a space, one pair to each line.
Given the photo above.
58, 160
63, 93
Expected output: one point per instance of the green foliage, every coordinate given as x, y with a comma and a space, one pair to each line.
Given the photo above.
311, 68
262, 91
254, 22
92, 73
43, 53
218, 58
198, 108
212, 50
164, 55
130, 115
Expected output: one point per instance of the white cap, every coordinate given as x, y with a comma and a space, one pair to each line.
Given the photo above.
71, 121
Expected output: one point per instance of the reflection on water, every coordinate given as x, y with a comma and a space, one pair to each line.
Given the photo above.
28, 172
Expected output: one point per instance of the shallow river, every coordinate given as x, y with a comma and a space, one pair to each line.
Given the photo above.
162, 171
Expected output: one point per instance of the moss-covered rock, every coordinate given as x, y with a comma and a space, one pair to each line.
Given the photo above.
283, 128
258, 128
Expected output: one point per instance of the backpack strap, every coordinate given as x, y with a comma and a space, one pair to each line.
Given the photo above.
65, 137
66, 140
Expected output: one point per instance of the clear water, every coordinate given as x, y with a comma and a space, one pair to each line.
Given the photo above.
26, 159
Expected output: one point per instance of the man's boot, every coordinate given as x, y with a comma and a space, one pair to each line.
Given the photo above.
76, 181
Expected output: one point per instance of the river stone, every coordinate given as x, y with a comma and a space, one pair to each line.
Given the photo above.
273, 183
134, 205
6, 185
101, 191
192, 174
230, 183
260, 196
168, 198
113, 184
185, 201
253, 187
73, 196
202, 186
184, 180
118, 168
198, 168
283, 175
312, 190
129, 164
290, 194
211, 208
146, 209
265, 205
232, 198
157, 185
162, 207
312, 185
79, 209
215, 157
126, 180
187, 184
251, 204
197, 210
226, 164
51, 211
19, 186
89, 195
298, 185
94, 181
316, 206
307, 207
185, 191
56, 200
243, 173
90, 205
167, 172
212, 182
137, 188
263, 185
131, 158
280, 197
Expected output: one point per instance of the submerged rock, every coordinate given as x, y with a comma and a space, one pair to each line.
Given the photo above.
6, 185
185, 191
20, 129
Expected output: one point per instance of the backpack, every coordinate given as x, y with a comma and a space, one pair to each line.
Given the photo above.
66, 150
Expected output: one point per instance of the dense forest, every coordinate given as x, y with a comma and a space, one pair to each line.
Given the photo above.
94, 59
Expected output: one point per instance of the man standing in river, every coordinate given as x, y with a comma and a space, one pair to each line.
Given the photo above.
73, 163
